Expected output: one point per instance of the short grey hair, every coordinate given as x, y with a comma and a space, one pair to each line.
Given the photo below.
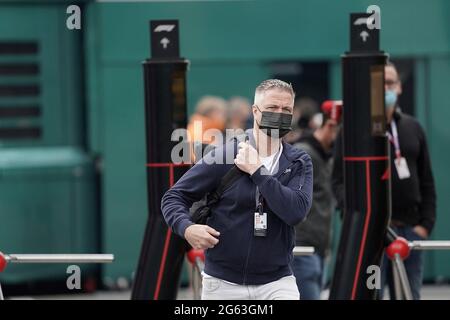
271, 84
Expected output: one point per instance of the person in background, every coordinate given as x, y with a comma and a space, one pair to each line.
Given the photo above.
210, 113
413, 191
239, 110
316, 229
303, 119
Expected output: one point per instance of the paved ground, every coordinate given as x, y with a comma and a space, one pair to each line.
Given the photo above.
429, 292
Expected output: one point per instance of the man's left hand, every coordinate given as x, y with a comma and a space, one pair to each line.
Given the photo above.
247, 158
421, 231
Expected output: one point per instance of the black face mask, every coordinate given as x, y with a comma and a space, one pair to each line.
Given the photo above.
273, 122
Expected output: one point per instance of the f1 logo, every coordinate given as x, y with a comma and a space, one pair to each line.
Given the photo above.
164, 27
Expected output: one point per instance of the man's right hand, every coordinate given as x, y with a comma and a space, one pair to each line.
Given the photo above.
201, 236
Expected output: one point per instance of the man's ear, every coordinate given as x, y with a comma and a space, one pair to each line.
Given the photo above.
254, 110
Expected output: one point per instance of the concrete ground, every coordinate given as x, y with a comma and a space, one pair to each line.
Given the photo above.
429, 292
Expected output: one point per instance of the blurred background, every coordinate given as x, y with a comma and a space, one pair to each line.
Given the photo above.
72, 136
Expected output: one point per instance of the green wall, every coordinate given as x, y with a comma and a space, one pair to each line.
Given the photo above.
59, 77
229, 44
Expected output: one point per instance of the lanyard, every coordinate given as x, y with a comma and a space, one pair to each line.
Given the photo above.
259, 201
393, 138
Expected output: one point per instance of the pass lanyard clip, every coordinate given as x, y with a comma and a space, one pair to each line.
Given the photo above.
393, 138
259, 201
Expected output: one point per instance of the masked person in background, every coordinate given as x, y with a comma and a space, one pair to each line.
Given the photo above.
413, 191
249, 236
316, 230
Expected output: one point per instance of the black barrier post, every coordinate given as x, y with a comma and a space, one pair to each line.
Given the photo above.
162, 252
366, 164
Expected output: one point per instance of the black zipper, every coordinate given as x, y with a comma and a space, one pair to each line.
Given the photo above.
249, 249
246, 260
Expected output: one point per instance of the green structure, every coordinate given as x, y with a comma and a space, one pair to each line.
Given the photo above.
48, 201
91, 101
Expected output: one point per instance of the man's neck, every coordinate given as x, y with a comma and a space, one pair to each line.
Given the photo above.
265, 145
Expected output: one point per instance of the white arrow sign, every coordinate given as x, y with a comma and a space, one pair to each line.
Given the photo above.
364, 35
165, 42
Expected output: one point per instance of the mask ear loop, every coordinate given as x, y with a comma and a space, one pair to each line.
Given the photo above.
258, 108
259, 128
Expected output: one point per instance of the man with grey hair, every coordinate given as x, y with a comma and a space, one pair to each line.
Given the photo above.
249, 235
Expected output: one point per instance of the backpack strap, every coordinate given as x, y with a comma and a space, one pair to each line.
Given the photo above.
201, 214
227, 180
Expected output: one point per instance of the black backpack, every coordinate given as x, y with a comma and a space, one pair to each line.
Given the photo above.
201, 210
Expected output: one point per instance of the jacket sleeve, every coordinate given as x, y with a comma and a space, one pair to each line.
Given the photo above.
292, 202
427, 206
191, 187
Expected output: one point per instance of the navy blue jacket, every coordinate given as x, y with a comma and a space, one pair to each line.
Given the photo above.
240, 257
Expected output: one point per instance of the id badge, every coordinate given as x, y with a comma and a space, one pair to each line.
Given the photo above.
402, 168
260, 229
